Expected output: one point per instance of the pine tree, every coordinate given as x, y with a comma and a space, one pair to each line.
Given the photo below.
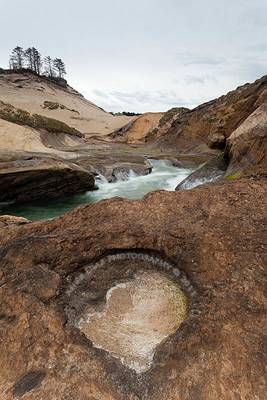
49, 67
33, 60
17, 58
13, 63
37, 61
28, 55
59, 67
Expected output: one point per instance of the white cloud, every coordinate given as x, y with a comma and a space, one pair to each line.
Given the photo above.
144, 54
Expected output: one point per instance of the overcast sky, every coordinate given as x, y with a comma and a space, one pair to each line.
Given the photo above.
144, 55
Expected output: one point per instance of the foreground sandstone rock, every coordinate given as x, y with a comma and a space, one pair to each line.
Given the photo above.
6, 220
209, 241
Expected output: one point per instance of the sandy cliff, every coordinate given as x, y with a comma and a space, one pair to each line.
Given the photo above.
42, 96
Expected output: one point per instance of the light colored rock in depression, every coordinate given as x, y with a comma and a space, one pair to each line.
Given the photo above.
138, 316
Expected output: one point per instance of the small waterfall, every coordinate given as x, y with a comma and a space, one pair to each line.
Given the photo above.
132, 174
124, 175
101, 178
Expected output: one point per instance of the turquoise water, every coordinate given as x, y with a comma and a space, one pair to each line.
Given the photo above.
163, 176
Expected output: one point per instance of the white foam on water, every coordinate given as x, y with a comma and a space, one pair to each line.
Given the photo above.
164, 176
101, 179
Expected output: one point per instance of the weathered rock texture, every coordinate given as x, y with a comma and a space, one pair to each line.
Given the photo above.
209, 171
211, 123
234, 123
6, 220
213, 237
165, 123
40, 178
247, 146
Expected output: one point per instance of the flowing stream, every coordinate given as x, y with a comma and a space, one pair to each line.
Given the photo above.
163, 176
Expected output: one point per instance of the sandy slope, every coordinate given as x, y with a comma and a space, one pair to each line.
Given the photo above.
29, 92
21, 138
17, 138
143, 125
137, 129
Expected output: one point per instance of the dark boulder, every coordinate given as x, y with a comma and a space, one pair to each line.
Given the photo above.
41, 178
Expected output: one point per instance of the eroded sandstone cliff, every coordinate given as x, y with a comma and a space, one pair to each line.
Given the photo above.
210, 124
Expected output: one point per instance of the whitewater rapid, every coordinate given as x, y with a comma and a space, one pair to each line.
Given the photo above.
164, 176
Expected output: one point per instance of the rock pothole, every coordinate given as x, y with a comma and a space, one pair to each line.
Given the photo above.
137, 316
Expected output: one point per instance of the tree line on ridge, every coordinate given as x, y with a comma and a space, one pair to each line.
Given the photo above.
32, 59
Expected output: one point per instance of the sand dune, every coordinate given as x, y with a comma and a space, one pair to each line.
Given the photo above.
21, 138
44, 97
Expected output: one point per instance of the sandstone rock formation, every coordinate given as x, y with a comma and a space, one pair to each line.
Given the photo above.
6, 220
209, 124
137, 130
247, 146
41, 178
236, 120
18, 138
209, 241
234, 124
165, 123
